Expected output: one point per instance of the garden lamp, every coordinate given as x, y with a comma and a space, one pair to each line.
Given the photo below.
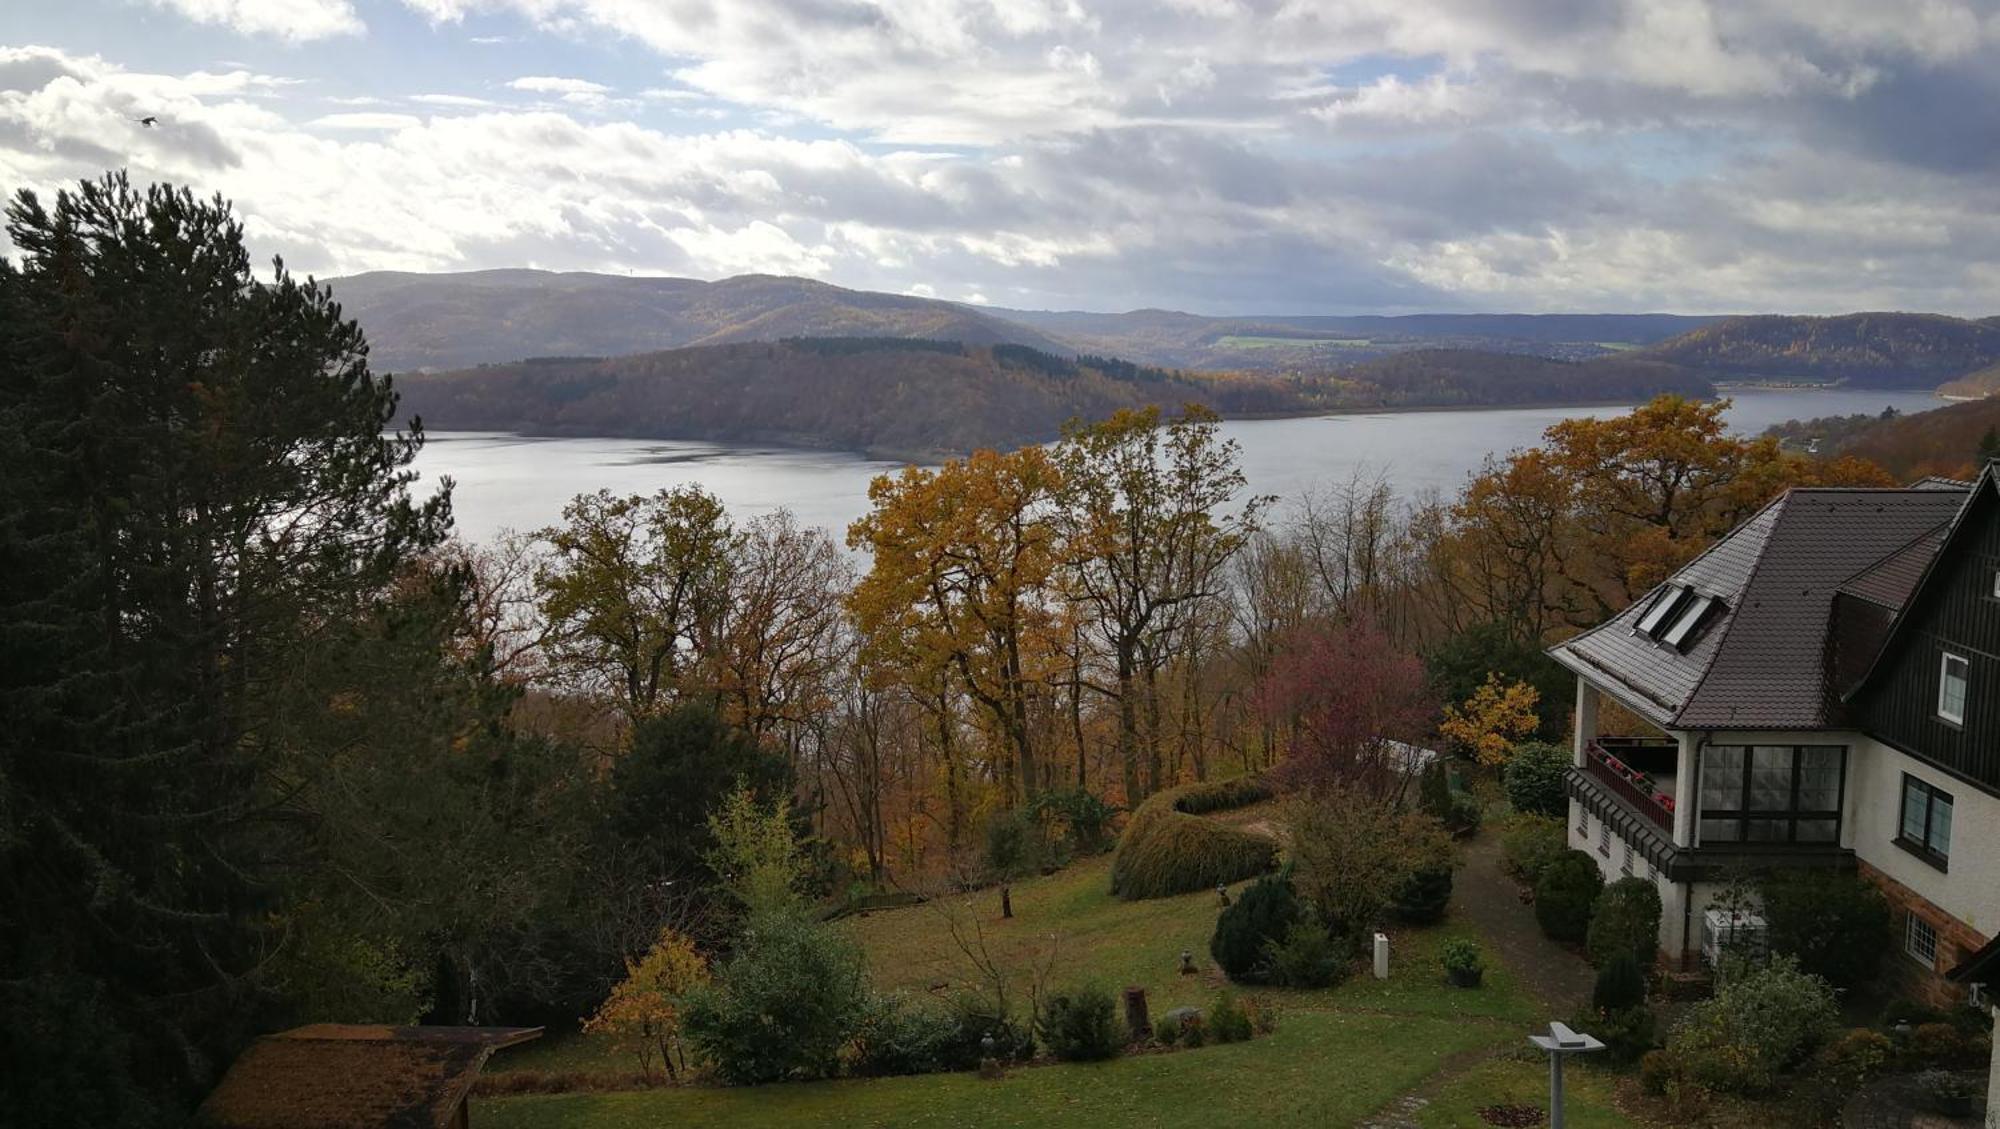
1559, 1042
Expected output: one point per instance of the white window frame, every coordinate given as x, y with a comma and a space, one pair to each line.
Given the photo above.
1945, 659
1915, 930
1996, 583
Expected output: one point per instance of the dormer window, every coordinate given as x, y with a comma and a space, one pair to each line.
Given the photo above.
1954, 674
1677, 616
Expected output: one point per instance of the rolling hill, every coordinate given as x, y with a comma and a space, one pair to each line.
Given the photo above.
898, 398
1471, 378
1873, 350
449, 321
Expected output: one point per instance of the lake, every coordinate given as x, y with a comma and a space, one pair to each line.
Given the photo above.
519, 482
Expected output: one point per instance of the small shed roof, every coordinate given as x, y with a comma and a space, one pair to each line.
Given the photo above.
345, 1076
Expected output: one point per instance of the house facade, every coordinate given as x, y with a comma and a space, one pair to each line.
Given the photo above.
1820, 688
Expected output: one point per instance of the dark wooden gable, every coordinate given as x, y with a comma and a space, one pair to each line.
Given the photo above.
1953, 610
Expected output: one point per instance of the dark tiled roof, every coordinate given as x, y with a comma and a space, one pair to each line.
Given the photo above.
1890, 581
339, 1076
1764, 663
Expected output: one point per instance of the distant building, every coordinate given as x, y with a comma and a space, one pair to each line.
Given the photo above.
340, 1076
1823, 686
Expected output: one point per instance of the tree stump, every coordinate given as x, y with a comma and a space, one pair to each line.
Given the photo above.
1137, 1023
1006, 901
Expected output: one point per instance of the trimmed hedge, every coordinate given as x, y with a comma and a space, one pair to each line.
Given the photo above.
1535, 779
1220, 795
1626, 920
1565, 895
1166, 851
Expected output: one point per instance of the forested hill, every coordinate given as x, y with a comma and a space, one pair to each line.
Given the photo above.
449, 321
1469, 377
1944, 441
1874, 350
896, 397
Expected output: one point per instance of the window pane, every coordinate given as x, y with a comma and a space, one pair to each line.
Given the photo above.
1722, 778
1771, 778
1718, 831
1819, 778
1940, 837
1951, 687
1914, 799
1819, 830
1768, 830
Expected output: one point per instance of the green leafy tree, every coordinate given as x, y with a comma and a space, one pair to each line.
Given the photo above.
199, 483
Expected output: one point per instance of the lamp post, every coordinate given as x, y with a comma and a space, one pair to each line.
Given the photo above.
1559, 1042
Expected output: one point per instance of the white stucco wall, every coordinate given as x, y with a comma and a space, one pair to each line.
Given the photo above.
1612, 867
1970, 890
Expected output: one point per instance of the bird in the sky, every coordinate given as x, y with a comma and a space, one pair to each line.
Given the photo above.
149, 121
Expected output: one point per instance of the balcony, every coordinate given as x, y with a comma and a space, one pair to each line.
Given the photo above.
1639, 771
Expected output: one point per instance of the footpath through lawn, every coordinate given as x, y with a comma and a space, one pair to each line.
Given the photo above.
1338, 1057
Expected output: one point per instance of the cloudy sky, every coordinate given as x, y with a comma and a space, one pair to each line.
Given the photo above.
1222, 156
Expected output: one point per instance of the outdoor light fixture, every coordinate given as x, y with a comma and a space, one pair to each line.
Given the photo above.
1561, 1041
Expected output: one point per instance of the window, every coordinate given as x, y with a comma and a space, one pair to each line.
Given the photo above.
1926, 826
1953, 674
1604, 838
1996, 583
1920, 940
1583, 823
1656, 616
1676, 616
1652, 872
1681, 635
1626, 864
1772, 793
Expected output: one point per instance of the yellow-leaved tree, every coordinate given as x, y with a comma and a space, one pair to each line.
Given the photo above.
644, 1011
1497, 714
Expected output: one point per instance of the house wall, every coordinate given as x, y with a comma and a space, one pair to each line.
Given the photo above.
1993, 1077
1610, 861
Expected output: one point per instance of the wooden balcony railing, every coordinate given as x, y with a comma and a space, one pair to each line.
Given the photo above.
1646, 795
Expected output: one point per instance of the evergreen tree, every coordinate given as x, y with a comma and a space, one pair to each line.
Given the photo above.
197, 487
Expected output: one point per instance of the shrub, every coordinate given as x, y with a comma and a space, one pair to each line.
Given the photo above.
1079, 817
1530, 842
1308, 956
1938, 1045
896, 1037
1565, 894
1081, 1025
1759, 1025
1227, 1020
1461, 955
1534, 779
1625, 919
1854, 1057
783, 1006
643, 1011
1221, 795
1261, 917
1165, 851
1352, 853
1194, 1032
1423, 896
1434, 790
1837, 925
1620, 984
977, 1020
1013, 844
1628, 1033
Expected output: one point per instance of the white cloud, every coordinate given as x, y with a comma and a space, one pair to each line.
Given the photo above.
458, 101
367, 121
548, 84
296, 21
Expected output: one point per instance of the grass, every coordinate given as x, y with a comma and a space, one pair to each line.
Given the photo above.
1523, 1080
1318, 1068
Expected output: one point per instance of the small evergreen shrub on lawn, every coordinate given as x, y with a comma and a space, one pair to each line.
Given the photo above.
1460, 957
1760, 1024
976, 1019
783, 1006
1621, 984
898, 1037
1628, 1033
1565, 894
1166, 851
1530, 842
1260, 917
1626, 919
1308, 956
1534, 779
1227, 1020
1423, 896
1013, 844
1837, 925
1079, 818
1081, 1025
1464, 815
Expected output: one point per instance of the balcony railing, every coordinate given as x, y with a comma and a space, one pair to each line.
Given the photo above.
1649, 796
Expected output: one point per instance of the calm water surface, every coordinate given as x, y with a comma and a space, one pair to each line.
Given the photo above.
516, 482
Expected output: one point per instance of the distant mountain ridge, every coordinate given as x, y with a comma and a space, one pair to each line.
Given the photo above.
1875, 350
450, 321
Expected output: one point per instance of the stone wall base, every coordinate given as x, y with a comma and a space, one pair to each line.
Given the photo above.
1956, 941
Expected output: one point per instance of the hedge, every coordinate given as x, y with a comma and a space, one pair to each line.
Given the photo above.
1166, 851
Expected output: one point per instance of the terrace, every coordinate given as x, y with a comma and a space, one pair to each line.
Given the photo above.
1639, 771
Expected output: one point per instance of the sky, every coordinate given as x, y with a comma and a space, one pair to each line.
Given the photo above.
1216, 156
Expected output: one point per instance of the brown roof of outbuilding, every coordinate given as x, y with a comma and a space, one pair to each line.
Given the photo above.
1765, 661
341, 1076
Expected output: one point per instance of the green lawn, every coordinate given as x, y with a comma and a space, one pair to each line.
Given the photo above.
1521, 1080
1318, 1068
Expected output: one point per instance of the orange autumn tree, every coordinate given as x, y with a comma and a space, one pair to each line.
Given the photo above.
643, 1011
1499, 713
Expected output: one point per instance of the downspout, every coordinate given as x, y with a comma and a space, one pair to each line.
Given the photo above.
1694, 829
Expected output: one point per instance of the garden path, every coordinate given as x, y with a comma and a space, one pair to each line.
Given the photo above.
1486, 897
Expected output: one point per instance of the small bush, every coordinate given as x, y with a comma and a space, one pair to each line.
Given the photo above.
1351, 853
1194, 1032
1628, 1033
1227, 1020
1076, 817
1308, 956
896, 1037
1081, 1025
1837, 925
1938, 1046
1260, 917
1530, 842
1534, 779
1463, 815
1166, 851
1462, 955
784, 1005
1656, 1069
1423, 897
1620, 985
1221, 795
1854, 1057
1760, 1024
1013, 844
1626, 919
977, 1020
1565, 894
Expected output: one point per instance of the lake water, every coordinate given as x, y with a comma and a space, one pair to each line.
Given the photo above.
518, 482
